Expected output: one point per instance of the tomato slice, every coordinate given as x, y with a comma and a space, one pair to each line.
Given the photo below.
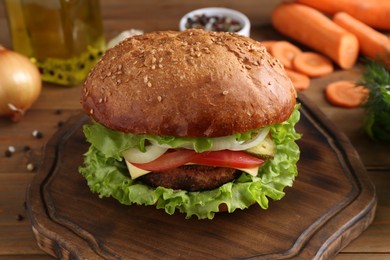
224, 158
169, 160
228, 158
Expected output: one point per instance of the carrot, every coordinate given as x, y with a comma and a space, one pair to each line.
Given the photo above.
268, 44
375, 13
373, 44
299, 80
285, 52
312, 28
312, 64
345, 94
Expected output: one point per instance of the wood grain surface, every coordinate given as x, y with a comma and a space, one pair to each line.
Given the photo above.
57, 104
331, 203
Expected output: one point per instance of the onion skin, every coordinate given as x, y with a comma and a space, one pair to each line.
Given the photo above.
20, 84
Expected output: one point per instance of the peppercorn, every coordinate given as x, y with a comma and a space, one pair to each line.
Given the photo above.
37, 134
10, 150
214, 23
19, 217
30, 167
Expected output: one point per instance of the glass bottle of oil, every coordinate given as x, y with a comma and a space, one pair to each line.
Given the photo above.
64, 38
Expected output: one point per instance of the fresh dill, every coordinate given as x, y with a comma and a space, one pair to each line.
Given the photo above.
376, 78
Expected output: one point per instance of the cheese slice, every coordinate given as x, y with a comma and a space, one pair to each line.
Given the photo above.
136, 172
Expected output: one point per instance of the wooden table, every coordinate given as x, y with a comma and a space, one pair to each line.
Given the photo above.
56, 104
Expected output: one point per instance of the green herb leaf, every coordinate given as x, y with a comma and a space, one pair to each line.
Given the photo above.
376, 78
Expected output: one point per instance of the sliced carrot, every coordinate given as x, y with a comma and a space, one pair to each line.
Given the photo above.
315, 30
268, 44
299, 80
345, 94
373, 44
312, 64
375, 13
285, 52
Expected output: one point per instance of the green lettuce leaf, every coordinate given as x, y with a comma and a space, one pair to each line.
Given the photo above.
112, 143
108, 176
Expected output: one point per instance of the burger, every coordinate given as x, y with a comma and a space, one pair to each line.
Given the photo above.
195, 122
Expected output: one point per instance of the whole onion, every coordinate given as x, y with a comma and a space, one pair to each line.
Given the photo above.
20, 84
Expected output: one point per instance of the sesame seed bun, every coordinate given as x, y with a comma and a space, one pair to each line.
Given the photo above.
191, 83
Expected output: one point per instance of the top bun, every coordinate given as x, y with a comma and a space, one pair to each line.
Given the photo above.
192, 83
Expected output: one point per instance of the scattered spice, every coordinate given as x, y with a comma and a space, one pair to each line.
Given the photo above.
213, 23
58, 112
10, 150
37, 134
30, 167
19, 217
60, 123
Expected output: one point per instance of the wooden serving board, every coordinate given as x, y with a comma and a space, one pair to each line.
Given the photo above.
331, 203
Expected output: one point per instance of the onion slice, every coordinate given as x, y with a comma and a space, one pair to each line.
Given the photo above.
134, 155
226, 142
241, 146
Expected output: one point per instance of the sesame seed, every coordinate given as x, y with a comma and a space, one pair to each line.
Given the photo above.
159, 98
91, 111
100, 100
149, 84
225, 92
145, 79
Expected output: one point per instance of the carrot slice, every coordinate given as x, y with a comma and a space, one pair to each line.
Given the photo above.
285, 52
312, 64
268, 44
345, 94
299, 80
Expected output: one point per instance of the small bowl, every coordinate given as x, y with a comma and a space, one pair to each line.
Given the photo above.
219, 12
